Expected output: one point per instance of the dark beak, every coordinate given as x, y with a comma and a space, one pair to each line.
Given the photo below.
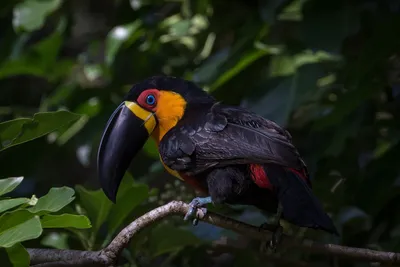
126, 132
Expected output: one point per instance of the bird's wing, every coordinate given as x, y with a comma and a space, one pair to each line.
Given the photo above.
226, 135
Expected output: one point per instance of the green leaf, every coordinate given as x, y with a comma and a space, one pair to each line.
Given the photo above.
9, 184
290, 92
117, 37
38, 60
151, 149
96, 204
18, 226
129, 196
18, 255
7, 204
30, 15
65, 221
168, 238
22, 130
339, 22
245, 61
209, 69
56, 199
56, 240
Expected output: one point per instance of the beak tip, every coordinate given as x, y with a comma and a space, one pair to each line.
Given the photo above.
109, 188
111, 196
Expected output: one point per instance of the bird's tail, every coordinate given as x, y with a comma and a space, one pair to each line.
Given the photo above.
300, 205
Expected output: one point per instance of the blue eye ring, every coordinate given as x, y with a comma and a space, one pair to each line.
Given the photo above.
151, 100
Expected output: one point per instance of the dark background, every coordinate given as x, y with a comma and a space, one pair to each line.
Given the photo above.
328, 71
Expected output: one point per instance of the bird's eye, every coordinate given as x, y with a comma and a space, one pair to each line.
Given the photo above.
150, 100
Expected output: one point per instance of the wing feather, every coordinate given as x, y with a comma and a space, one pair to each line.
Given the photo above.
222, 135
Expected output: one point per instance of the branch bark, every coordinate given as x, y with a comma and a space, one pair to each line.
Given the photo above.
109, 255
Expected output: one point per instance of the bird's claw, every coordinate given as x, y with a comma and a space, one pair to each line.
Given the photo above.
277, 232
196, 204
276, 238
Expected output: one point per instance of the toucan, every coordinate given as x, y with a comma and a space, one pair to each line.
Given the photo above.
228, 153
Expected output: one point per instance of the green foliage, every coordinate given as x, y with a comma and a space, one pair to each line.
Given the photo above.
56, 199
173, 239
23, 219
9, 184
18, 255
326, 70
65, 221
18, 131
30, 15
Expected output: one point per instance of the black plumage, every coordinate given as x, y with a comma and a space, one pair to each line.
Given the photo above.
215, 144
230, 153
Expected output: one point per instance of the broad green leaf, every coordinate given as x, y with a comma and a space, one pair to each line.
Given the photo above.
18, 255
96, 204
18, 226
22, 130
31, 14
56, 199
9, 184
56, 240
65, 221
168, 238
7, 204
129, 197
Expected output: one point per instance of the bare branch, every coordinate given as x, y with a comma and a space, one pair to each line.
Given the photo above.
109, 255
63, 257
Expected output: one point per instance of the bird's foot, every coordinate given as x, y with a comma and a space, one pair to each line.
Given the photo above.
277, 232
195, 204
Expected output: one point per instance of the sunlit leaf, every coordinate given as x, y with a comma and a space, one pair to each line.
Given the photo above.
9, 184
54, 200
18, 255
18, 226
65, 221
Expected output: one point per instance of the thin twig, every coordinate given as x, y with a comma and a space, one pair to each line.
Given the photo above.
109, 255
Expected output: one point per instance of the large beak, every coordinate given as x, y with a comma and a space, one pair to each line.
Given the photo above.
125, 134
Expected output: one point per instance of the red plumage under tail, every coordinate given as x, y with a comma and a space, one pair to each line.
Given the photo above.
300, 205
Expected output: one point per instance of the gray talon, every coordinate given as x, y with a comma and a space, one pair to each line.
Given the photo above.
195, 204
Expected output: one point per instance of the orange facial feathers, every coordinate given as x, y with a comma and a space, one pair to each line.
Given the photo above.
170, 109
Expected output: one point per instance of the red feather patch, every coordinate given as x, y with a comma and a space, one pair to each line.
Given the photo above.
259, 176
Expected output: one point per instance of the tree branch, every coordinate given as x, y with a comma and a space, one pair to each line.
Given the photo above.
109, 255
